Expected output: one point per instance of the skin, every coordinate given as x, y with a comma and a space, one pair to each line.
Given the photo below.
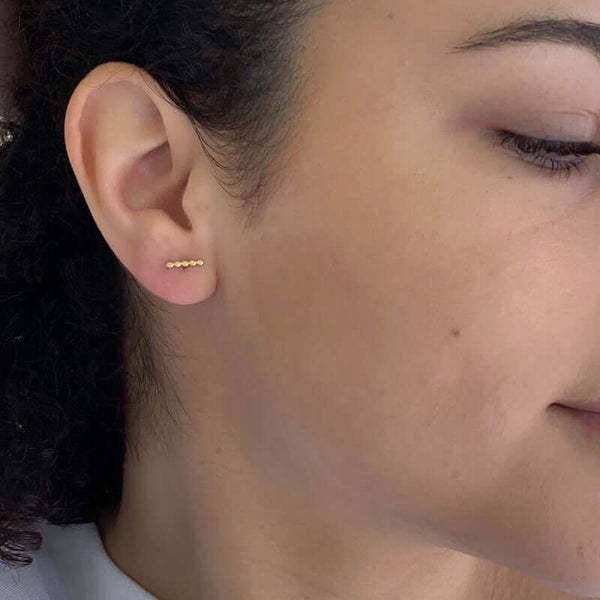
368, 375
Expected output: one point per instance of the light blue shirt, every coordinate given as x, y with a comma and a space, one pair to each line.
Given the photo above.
71, 564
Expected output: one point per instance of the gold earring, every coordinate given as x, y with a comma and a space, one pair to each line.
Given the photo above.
186, 263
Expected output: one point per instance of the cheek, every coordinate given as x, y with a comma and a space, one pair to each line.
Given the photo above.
351, 322
394, 323
398, 349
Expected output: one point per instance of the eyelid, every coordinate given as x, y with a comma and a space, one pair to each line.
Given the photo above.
550, 146
550, 124
559, 126
549, 137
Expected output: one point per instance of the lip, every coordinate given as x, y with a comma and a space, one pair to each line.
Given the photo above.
591, 406
590, 420
581, 427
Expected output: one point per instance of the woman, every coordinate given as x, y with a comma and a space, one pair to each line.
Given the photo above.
301, 300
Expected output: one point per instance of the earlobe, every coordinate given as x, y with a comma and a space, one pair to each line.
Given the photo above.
133, 152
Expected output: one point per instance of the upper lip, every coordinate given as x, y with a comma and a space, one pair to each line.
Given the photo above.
585, 405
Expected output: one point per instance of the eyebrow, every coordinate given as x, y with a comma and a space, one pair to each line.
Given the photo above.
582, 34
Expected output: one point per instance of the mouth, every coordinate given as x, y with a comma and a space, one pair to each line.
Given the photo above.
586, 413
589, 406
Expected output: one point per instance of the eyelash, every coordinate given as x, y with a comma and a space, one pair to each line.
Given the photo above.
532, 147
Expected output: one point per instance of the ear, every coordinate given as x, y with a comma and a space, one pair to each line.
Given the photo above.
146, 179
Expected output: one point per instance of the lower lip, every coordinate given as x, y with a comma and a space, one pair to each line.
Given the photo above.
589, 420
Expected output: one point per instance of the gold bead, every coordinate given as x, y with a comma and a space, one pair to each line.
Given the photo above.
170, 265
186, 263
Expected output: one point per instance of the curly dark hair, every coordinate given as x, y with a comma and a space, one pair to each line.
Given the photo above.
79, 340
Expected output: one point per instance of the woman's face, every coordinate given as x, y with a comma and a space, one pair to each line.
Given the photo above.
419, 296
389, 342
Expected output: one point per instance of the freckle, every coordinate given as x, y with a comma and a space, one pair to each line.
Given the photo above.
390, 16
580, 551
219, 450
456, 332
509, 177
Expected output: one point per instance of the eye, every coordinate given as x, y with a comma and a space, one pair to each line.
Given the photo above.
555, 157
